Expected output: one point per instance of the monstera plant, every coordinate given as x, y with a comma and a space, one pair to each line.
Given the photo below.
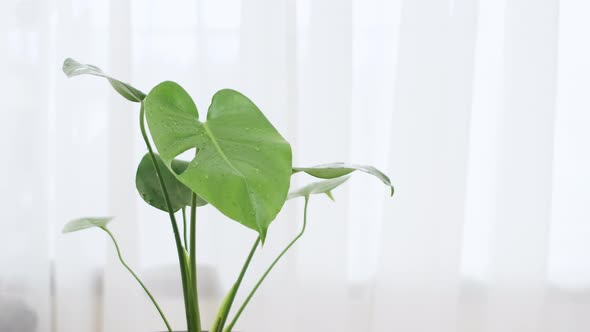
240, 164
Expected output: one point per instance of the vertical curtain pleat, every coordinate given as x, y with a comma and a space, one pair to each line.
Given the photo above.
568, 266
523, 178
484, 151
375, 28
418, 280
25, 264
80, 147
118, 315
323, 136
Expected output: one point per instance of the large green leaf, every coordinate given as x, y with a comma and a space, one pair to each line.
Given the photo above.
334, 170
242, 165
319, 187
85, 223
148, 185
73, 68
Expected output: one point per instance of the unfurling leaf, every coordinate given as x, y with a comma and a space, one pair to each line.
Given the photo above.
243, 165
85, 223
223, 310
148, 185
334, 170
73, 68
320, 187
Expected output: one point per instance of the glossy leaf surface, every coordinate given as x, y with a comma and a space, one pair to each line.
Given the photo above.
334, 170
73, 68
319, 187
85, 223
242, 165
148, 185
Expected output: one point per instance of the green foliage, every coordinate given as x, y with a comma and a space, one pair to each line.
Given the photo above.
334, 170
73, 68
242, 164
85, 223
148, 186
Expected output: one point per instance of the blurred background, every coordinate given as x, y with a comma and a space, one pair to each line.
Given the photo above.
477, 110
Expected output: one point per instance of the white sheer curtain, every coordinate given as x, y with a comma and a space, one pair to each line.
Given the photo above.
478, 111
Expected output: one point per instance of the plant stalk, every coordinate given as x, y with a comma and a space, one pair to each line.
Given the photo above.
137, 278
234, 290
193, 259
253, 291
184, 227
179, 248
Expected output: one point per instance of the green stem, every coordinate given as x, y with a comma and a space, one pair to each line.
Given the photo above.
193, 259
137, 278
195, 322
243, 306
179, 247
184, 226
237, 284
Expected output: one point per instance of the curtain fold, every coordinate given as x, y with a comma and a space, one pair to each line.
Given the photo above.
423, 224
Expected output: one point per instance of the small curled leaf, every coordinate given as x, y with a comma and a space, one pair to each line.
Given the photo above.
73, 68
85, 223
334, 170
320, 187
148, 185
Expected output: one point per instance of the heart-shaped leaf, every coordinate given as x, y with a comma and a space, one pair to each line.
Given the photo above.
73, 68
334, 170
148, 185
85, 223
320, 187
242, 165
